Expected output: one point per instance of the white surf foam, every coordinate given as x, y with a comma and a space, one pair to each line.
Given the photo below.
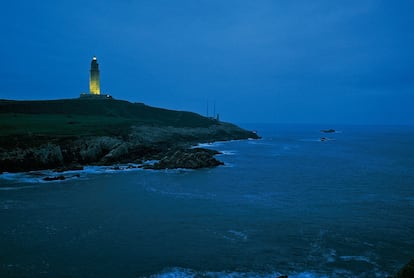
190, 273
229, 152
208, 145
177, 171
16, 188
111, 169
27, 177
38, 176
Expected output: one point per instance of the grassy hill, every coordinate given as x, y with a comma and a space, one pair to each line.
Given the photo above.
59, 133
82, 117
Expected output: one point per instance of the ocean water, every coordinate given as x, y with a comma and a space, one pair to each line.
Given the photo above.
287, 204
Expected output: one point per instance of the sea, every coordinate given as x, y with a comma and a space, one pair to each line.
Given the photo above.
287, 204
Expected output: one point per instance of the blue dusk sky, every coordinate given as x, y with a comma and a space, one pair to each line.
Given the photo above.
260, 61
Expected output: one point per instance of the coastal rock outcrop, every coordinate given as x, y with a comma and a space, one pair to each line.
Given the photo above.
118, 153
49, 154
57, 134
42, 157
96, 148
188, 159
188, 135
407, 271
169, 145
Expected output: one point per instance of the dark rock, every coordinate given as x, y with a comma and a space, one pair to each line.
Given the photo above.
164, 143
94, 149
187, 159
407, 271
210, 151
56, 178
116, 154
328, 130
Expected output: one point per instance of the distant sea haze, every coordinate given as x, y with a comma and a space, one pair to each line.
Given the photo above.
288, 204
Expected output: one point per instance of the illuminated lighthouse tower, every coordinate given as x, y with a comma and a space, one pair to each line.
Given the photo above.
94, 83
94, 86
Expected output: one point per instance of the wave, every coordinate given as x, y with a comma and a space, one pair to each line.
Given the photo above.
16, 188
26, 177
229, 152
221, 143
36, 177
112, 169
49, 176
209, 145
178, 272
190, 273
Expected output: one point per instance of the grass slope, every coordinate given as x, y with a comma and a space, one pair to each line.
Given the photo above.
83, 117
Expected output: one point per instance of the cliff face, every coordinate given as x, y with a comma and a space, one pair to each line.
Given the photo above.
143, 143
25, 159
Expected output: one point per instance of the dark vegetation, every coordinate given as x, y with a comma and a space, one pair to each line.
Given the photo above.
36, 122
118, 110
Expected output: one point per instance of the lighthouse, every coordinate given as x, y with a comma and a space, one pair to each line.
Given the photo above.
94, 86
94, 83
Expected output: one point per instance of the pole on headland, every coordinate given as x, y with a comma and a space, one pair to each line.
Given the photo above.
214, 109
214, 115
207, 110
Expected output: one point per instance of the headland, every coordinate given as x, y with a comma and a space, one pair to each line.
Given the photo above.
70, 133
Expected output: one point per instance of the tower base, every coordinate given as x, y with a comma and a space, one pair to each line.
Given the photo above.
92, 96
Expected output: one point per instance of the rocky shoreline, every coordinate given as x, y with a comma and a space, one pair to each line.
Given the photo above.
169, 146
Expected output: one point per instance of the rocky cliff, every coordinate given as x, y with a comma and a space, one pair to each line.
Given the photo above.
69, 133
169, 145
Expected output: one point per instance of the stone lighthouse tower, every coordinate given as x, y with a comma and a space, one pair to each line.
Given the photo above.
94, 86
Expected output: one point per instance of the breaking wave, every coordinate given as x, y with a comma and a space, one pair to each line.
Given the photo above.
190, 273
49, 176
